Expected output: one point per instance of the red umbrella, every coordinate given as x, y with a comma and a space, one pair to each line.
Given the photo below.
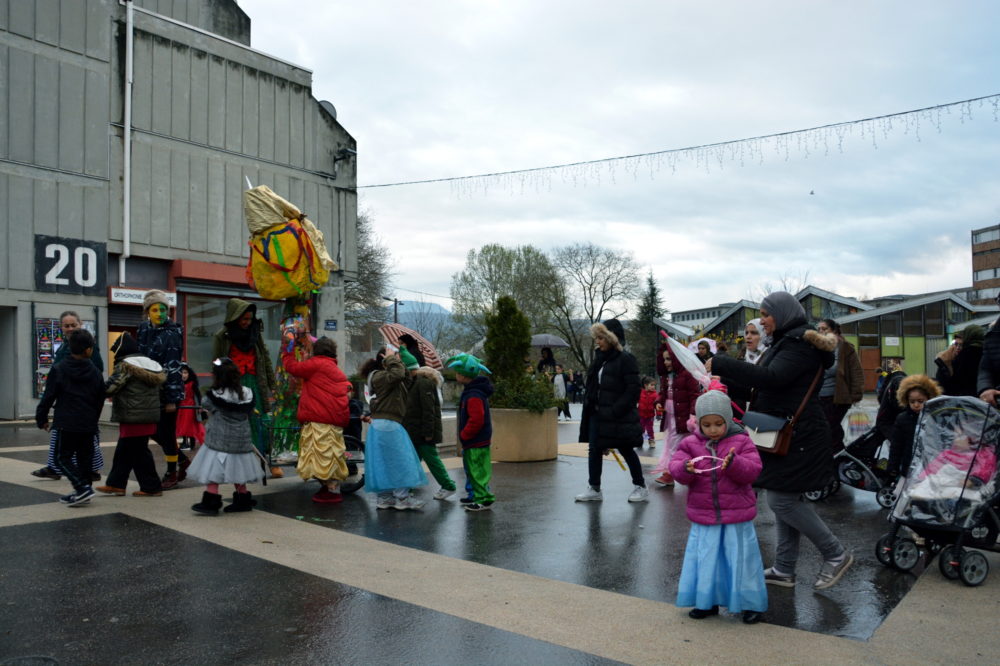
392, 333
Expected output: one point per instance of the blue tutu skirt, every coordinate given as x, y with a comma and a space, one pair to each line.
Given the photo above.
391, 460
722, 567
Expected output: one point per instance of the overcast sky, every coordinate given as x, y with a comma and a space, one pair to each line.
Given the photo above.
437, 89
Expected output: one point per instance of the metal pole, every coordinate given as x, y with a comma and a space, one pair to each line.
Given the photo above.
127, 148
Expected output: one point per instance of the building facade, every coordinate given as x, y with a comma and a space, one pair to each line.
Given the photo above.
208, 116
985, 265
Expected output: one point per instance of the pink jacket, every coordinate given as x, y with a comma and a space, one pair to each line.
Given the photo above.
721, 496
983, 468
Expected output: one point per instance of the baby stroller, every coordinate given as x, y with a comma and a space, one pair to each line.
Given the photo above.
949, 498
861, 465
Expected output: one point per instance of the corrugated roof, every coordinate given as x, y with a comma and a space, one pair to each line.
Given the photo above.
906, 305
830, 296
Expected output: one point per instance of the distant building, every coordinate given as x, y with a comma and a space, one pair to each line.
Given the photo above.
985, 265
730, 323
697, 319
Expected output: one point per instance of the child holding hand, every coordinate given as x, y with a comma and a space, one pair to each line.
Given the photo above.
722, 563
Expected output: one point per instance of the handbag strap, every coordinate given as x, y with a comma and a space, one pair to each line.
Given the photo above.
812, 387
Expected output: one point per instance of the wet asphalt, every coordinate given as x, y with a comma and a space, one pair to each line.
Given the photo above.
166, 597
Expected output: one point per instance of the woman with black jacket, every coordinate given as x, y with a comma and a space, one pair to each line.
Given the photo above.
780, 381
610, 410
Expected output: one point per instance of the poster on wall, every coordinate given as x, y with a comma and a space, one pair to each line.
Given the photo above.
48, 339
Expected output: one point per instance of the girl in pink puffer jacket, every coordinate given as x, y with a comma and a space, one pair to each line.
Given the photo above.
722, 564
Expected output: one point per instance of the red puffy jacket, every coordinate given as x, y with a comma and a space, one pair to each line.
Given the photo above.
324, 389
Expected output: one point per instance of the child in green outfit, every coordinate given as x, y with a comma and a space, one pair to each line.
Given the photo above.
475, 428
423, 419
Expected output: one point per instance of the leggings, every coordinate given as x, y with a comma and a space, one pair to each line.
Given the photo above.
595, 457
794, 517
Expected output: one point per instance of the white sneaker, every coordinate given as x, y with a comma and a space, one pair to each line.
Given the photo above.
408, 503
639, 494
591, 495
443, 494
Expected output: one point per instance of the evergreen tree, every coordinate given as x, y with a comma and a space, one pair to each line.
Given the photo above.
643, 334
508, 340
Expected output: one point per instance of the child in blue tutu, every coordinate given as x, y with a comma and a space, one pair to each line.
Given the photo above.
722, 563
392, 466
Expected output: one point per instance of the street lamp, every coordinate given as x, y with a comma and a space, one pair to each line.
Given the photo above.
395, 308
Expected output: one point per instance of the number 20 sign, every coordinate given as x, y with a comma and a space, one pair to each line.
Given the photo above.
70, 266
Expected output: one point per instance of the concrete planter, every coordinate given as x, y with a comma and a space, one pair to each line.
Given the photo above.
523, 436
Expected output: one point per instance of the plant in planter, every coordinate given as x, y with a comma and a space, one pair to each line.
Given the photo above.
523, 407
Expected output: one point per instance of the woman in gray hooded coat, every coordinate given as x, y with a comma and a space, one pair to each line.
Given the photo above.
780, 382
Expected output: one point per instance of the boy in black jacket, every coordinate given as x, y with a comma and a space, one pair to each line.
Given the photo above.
76, 388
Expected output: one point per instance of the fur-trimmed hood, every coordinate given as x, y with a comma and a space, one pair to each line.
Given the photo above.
428, 372
922, 382
145, 369
822, 341
603, 331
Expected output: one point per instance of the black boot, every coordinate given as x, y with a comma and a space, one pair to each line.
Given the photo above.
209, 505
241, 502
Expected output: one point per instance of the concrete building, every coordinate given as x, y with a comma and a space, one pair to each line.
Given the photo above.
206, 114
985, 265
698, 318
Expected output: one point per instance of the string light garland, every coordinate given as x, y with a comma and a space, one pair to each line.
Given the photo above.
803, 142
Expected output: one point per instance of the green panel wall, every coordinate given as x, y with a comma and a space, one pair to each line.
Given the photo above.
914, 358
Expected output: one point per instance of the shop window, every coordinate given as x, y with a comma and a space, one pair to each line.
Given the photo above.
868, 333
891, 324
849, 329
913, 322
934, 319
206, 314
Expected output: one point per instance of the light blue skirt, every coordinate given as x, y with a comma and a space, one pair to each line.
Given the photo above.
391, 460
722, 567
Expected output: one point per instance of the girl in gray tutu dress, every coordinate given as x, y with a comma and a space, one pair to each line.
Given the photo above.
228, 455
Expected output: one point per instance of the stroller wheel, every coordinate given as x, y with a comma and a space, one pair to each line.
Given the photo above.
883, 550
884, 497
973, 568
948, 561
905, 554
815, 495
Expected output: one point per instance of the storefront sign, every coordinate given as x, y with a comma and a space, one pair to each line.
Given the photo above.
70, 266
330, 325
127, 296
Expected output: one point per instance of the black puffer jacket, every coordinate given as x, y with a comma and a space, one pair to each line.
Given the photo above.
614, 397
781, 380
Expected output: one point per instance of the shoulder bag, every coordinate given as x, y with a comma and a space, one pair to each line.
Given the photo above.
773, 434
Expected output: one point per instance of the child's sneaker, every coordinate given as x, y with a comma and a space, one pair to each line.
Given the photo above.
773, 577
639, 494
664, 480
467, 500
81, 497
592, 494
475, 506
443, 494
408, 504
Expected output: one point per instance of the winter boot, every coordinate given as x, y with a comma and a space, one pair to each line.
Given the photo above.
209, 505
241, 502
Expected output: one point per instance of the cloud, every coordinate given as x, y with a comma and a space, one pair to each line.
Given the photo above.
441, 89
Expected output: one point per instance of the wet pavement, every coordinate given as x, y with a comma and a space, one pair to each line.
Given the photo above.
181, 588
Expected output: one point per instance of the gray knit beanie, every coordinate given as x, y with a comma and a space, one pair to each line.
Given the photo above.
716, 402
154, 296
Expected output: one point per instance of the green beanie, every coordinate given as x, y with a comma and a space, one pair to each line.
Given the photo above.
408, 359
467, 365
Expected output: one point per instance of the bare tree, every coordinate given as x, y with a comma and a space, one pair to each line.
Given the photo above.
523, 273
363, 302
792, 283
596, 283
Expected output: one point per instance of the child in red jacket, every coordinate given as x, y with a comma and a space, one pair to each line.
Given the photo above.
647, 409
323, 413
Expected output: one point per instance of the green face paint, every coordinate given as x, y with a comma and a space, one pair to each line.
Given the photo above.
158, 314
